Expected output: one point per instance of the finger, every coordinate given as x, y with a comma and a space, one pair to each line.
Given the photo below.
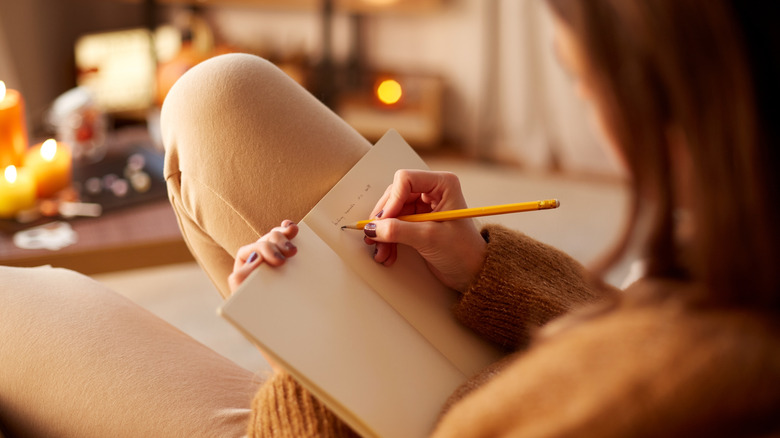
279, 243
382, 252
243, 254
272, 253
240, 273
280, 236
398, 231
410, 184
393, 255
288, 229
380, 204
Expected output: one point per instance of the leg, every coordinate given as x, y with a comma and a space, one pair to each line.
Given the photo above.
247, 147
81, 361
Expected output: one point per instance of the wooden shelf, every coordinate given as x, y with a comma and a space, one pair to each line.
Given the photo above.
351, 6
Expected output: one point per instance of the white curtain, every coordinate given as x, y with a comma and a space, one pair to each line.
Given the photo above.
540, 122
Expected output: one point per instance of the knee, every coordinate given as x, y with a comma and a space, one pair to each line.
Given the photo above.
221, 99
218, 78
218, 84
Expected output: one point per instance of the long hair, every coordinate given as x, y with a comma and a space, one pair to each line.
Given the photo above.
705, 69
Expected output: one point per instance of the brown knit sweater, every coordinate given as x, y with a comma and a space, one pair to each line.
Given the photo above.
643, 363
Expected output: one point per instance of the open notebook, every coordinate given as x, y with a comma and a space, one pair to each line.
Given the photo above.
379, 346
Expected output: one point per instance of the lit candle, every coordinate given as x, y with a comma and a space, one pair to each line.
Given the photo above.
17, 191
51, 165
13, 131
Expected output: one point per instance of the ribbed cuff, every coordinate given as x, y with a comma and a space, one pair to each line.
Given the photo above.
522, 285
283, 408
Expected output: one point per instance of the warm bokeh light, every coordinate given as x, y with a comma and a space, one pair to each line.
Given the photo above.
2, 90
49, 149
389, 91
380, 2
10, 174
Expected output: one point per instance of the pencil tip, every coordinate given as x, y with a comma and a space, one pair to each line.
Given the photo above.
344, 227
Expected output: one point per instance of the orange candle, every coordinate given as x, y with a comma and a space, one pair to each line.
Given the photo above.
13, 131
51, 165
17, 191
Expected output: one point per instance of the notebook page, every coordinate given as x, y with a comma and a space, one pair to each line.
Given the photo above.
343, 342
408, 285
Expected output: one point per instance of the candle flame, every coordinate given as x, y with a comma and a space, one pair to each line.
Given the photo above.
10, 174
49, 149
2, 90
389, 91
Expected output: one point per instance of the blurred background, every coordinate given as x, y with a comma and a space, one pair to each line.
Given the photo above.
478, 76
473, 85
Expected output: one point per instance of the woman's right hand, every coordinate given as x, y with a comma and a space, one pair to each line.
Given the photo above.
273, 248
454, 250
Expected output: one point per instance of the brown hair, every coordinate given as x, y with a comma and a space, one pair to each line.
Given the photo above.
695, 66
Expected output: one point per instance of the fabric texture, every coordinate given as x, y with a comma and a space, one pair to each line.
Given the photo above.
642, 364
245, 148
79, 360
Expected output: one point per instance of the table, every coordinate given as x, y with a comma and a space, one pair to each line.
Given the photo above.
134, 237
133, 232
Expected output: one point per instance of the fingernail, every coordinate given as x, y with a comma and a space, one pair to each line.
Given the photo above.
370, 230
376, 251
252, 258
289, 246
279, 255
380, 213
289, 224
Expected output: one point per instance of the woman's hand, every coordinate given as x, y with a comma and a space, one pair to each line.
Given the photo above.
273, 248
454, 250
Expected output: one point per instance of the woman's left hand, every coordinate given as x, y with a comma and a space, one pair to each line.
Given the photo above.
273, 248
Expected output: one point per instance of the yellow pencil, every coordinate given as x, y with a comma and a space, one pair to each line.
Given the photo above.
467, 213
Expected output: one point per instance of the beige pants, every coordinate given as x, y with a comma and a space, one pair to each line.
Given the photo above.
245, 148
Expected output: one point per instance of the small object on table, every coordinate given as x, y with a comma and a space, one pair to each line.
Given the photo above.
93, 185
120, 187
135, 163
141, 182
81, 124
17, 192
133, 177
52, 236
51, 165
49, 208
84, 209
108, 180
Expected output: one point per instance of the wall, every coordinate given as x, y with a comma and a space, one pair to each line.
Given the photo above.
39, 36
507, 99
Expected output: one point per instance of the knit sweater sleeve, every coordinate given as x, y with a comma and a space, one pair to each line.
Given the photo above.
282, 408
522, 285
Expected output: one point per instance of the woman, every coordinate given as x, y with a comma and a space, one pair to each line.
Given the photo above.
683, 90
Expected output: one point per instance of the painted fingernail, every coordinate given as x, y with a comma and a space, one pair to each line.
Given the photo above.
376, 251
289, 246
289, 224
252, 258
381, 212
370, 230
279, 255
